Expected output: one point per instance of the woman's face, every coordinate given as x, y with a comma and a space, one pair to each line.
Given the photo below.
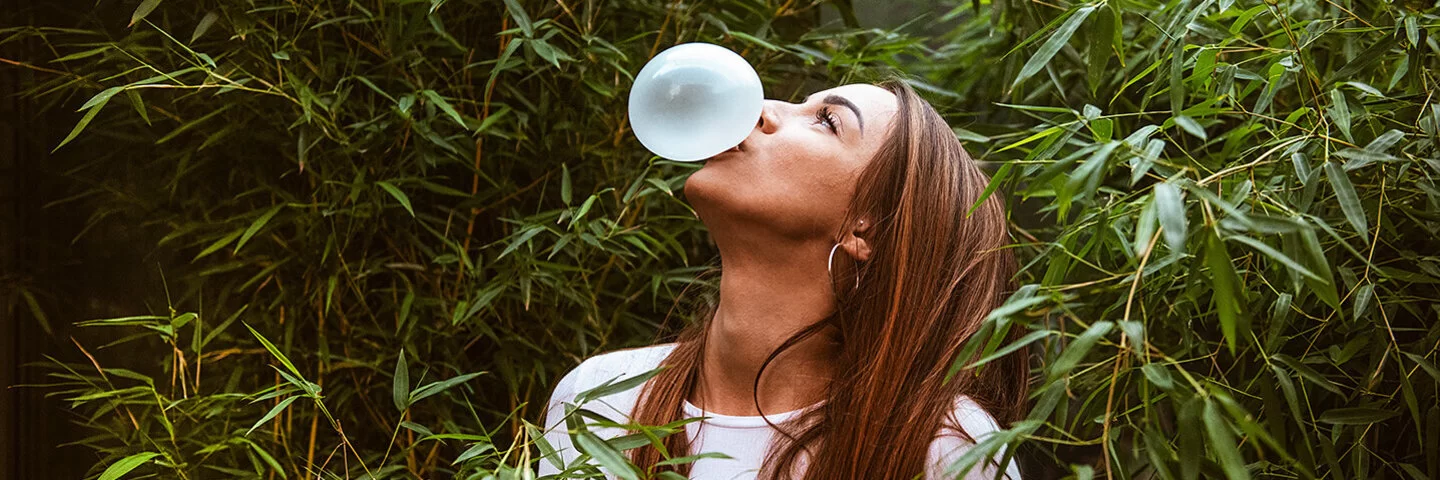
795, 174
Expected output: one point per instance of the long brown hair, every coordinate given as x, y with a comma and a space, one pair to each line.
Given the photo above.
935, 273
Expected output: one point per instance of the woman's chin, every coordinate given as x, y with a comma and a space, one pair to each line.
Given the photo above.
709, 190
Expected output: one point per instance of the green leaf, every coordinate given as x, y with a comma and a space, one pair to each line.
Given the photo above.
1170, 210
433, 388
584, 208
267, 458
1356, 415
279, 407
404, 314
472, 452
1363, 296
444, 106
400, 390
1277, 255
1158, 376
610, 458
1076, 350
1012, 347
1425, 365
1053, 44
611, 387
94, 107
218, 244
144, 9
204, 26
255, 226
100, 98
548, 52
520, 240
1306, 246
399, 196
1103, 129
125, 465
36, 311
1191, 126
1227, 297
139, 104
1340, 111
1098, 53
565, 184
274, 351
1177, 76
1349, 201
1308, 373
521, 18
1223, 444
500, 65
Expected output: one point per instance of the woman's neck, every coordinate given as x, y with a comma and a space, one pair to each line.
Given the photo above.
764, 300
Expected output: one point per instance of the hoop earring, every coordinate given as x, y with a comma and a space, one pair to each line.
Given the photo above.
830, 270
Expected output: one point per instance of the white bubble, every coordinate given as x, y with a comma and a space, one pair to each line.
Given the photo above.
695, 100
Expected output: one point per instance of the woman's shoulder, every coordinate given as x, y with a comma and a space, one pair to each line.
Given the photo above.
611, 368
968, 425
971, 418
620, 365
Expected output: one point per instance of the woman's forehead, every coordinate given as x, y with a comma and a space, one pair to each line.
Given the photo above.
863, 95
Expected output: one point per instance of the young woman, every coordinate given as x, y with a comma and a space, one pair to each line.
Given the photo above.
852, 274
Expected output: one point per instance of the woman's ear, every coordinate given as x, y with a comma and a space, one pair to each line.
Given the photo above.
856, 243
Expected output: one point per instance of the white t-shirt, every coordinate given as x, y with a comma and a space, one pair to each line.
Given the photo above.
746, 439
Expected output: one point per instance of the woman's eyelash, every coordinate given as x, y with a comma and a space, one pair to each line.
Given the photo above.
825, 116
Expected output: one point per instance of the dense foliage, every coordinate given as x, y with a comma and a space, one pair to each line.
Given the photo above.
394, 223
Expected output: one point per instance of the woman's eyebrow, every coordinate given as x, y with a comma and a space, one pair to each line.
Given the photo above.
842, 101
833, 99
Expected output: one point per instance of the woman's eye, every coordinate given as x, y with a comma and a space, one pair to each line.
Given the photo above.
824, 115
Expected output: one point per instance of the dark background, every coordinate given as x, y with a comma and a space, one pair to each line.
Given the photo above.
102, 274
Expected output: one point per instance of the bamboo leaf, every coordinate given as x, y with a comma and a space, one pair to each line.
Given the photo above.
204, 26
274, 351
143, 10
611, 387
258, 224
94, 109
279, 407
433, 388
1170, 210
610, 458
1340, 111
218, 244
1098, 53
521, 18
1223, 444
1356, 415
399, 195
1029, 338
1349, 201
1191, 126
1277, 255
1078, 348
1052, 45
123, 466
1158, 376
400, 390
1227, 298
565, 184
444, 106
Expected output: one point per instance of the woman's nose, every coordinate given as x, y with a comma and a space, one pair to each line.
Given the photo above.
769, 117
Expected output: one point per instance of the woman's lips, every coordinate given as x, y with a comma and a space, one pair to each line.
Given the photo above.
733, 149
